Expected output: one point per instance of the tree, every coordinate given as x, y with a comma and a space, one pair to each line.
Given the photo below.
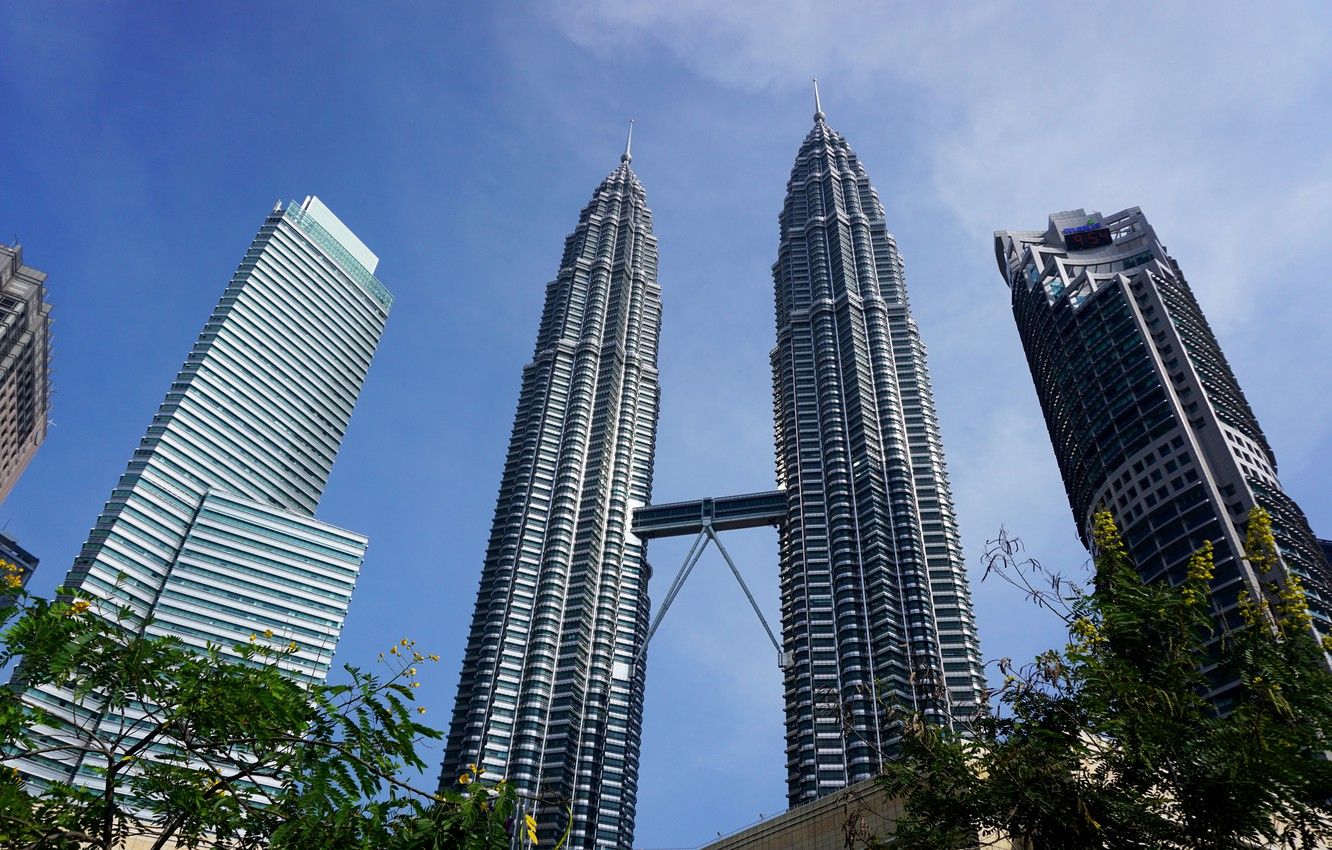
1110, 743
221, 749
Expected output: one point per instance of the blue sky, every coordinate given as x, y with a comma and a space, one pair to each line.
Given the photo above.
144, 143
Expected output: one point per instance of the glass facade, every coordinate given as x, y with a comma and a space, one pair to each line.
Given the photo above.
876, 609
1144, 412
549, 695
209, 535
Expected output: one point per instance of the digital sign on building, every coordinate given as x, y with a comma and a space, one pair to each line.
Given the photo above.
1089, 235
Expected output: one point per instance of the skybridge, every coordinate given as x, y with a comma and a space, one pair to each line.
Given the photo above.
723, 513
703, 518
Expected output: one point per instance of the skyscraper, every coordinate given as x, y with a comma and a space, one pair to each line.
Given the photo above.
549, 695
25, 364
1145, 415
209, 535
876, 610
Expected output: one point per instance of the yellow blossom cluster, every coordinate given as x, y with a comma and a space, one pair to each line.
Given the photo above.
291, 646
77, 607
1200, 571
401, 650
1259, 543
11, 575
1086, 632
1292, 607
1105, 536
472, 772
1252, 611
1289, 607
530, 823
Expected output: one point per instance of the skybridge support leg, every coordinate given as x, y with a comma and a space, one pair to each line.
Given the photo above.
735, 572
706, 535
691, 558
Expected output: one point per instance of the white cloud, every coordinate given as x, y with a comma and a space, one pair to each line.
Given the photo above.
1210, 117
1184, 109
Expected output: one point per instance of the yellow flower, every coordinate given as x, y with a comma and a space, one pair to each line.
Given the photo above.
434, 658
78, 607
416, 684
404, 642
393, 650
291, 647
420, 709
252, 638
531, 828
411, 671
13, 582
416, 656
268, 633
1201, 566
465, 779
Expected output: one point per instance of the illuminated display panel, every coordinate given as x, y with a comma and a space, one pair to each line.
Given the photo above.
1081, 240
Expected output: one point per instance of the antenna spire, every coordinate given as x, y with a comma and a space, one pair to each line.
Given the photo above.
818, 106
628, 156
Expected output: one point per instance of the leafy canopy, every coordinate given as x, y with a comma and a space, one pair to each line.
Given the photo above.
1110, 742
221, 748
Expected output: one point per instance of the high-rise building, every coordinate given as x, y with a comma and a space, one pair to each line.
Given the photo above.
210, 534
876, 609
1145, 415
549, 695
25, 364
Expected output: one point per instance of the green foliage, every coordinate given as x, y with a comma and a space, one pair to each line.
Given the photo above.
222, 748
1110, 742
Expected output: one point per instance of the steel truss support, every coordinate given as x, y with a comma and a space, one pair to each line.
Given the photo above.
696, 549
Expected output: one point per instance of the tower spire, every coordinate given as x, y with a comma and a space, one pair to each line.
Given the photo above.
627, 156
818, 106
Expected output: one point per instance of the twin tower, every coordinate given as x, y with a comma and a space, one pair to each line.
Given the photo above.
876, 611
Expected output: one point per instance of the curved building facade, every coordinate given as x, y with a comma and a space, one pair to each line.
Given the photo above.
1144, 412
876, 610
549, 695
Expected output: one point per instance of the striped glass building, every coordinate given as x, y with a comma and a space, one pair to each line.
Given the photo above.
876, 610
210, 533
549, 695
1145, 415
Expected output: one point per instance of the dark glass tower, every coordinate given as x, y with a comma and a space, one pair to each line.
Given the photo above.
549, 695
1144, 412
876, 610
